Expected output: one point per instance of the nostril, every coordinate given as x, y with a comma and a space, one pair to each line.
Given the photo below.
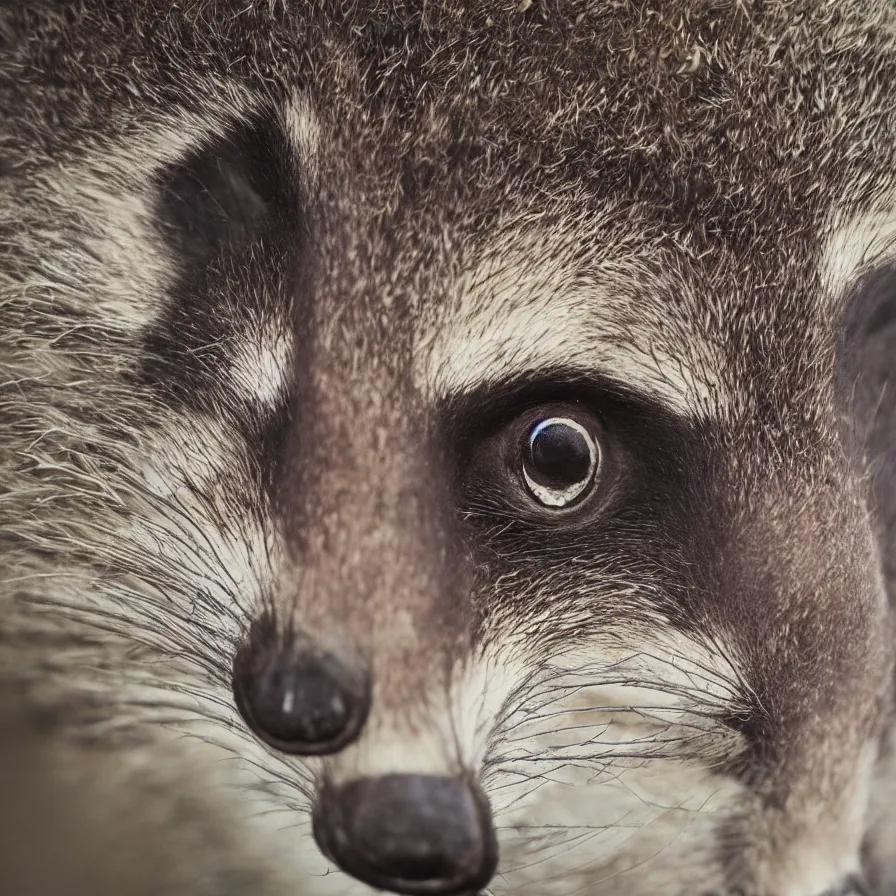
297, 698
413, 834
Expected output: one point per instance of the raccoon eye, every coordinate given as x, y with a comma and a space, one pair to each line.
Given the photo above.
560, 458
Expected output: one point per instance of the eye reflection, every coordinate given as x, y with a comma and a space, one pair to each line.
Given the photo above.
560, 459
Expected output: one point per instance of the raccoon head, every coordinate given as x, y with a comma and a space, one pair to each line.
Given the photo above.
445, 417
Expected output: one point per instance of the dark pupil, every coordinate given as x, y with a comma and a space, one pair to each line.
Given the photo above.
560, 456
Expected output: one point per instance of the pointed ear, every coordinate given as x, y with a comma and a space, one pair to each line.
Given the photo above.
867, 347
866, 380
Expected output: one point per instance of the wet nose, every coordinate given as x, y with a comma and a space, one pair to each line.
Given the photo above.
414, 834
297, 698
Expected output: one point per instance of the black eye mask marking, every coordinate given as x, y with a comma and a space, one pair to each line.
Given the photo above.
601, 436
651, 512
231, 215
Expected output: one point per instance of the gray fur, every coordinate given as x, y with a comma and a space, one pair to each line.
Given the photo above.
678, 171
71, 826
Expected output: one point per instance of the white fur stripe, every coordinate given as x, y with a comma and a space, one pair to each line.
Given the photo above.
511, 318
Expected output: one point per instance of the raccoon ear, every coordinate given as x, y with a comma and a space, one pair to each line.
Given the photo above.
866, 371
868, 330
871, 308
229, 192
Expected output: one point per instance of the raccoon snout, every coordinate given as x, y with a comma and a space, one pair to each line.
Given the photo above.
413, 834
297, 698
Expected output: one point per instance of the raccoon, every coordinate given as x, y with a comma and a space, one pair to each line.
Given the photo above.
448, 448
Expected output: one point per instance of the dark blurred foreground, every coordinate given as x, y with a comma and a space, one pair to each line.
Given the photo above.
61, 833
70, 826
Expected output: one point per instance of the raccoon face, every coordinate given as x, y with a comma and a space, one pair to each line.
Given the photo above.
440, 435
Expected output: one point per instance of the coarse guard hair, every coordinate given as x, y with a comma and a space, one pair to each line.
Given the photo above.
448, 448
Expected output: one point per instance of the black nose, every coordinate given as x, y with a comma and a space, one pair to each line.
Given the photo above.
415, 834
295, 697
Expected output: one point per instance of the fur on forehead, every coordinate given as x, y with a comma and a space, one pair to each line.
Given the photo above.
733, 133
617, 95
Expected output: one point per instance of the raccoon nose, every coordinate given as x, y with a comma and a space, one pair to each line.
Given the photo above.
299, 700
414, 834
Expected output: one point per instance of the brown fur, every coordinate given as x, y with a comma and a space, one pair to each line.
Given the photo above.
681, 171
